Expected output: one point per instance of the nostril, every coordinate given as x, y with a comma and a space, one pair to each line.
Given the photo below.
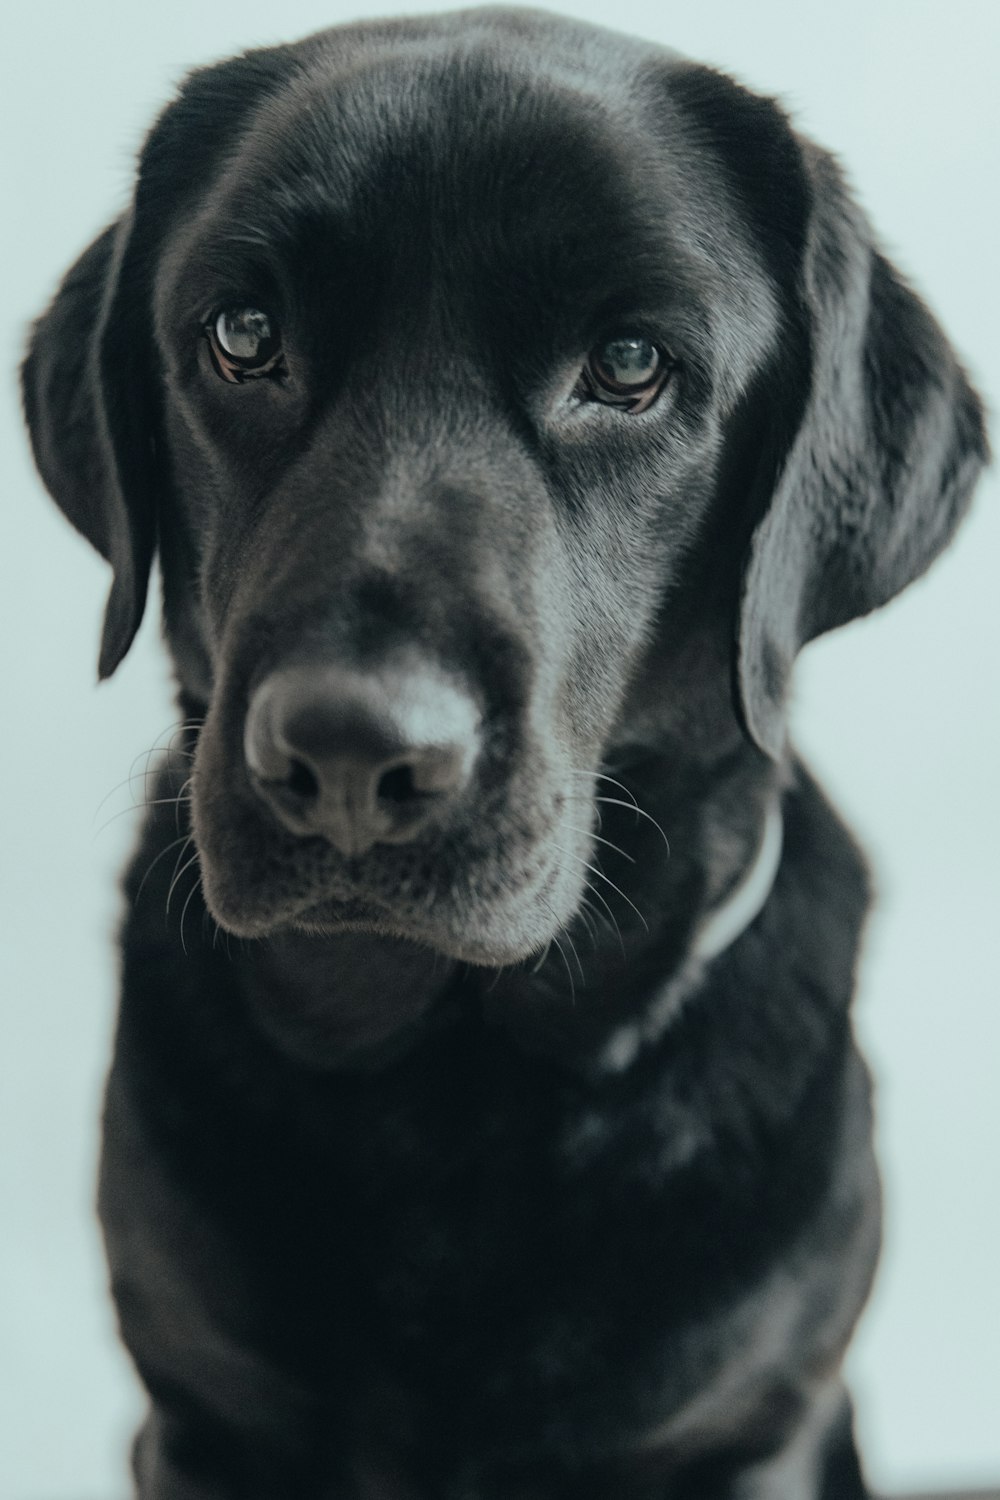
398, 785
302, 781
360, 758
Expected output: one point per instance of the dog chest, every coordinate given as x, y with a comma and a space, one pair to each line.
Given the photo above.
472, 1231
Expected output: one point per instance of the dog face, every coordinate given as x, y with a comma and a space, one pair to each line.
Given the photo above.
506, 398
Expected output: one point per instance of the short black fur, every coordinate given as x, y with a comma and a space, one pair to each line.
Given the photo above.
445, 1158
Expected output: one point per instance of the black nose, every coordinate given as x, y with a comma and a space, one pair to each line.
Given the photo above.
360, 758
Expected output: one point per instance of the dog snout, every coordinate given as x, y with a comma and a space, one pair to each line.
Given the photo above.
360, 757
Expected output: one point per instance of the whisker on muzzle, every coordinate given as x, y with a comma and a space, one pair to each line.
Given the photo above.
176, 802
187, 903
177, 875
606, 842
631, 805
639, 811
184, 839
568, 854
607, 916
169, 749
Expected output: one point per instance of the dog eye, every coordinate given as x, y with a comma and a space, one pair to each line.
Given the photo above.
244, 342
628, 370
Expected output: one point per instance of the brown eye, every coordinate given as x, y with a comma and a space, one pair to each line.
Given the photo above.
245, 343
628, 370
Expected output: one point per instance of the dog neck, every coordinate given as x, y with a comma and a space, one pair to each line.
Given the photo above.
718, 931
357, 1000
352, 1001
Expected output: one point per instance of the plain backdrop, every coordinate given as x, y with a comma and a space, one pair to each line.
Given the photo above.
899, 714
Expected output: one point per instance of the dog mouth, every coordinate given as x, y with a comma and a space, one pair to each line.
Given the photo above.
436, 932
460, 922
492, 893
329, 798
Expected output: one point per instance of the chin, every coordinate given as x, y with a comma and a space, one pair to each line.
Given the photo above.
453, 936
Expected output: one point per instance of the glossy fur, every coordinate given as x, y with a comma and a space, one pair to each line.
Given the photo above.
440, 1170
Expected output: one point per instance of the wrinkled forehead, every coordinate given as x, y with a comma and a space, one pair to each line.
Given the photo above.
490, 166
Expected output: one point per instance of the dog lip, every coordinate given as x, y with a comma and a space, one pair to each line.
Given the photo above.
328, 912
320, 921
324, 914
259, 880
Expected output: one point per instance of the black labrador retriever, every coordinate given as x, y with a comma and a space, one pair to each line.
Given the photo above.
508, 401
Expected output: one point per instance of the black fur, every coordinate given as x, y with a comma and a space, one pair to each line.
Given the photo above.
435, 1165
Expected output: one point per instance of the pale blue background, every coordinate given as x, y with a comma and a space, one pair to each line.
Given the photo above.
899, 715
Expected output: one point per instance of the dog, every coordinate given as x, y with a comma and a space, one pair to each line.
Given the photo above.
507, 402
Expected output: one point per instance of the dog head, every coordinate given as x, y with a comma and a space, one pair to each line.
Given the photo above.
504, 396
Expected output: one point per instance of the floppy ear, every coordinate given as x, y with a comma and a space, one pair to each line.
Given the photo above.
91, 393
89, 407
881, 468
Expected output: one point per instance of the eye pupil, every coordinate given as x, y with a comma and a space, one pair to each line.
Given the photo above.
245, 345
244, 333
627, 371
627, 363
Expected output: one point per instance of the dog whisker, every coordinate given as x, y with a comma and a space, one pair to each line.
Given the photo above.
564, 933
185, 838
632, 804
640, 811
610, 917
589, 886
540, 961
156, 748
603, 776
187, 903
569, 971
601, 876
606, 842
588, 919
139, 807
185, 794
177, 875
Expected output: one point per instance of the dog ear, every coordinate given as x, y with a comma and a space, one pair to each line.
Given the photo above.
880, 470
87, 400
91, 394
